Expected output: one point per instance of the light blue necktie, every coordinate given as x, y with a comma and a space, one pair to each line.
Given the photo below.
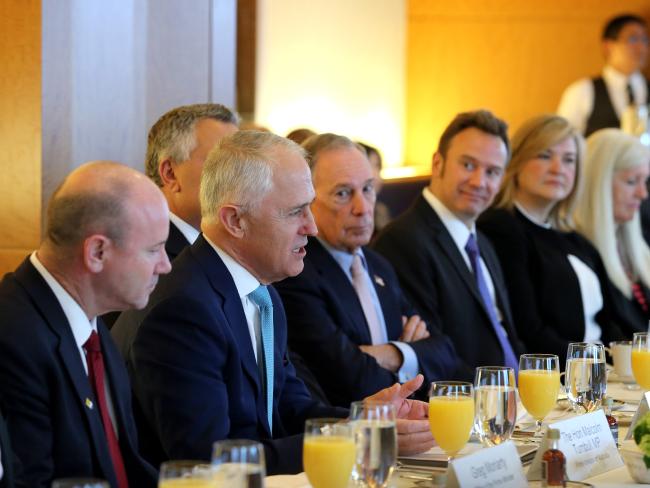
262, 299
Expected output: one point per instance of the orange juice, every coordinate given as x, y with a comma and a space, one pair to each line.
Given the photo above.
641, 367
538, 389
328, 460
451, 419
185, 483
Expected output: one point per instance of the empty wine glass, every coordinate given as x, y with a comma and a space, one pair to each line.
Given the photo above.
238, 463
586, 381
495, 398
185, 474
376, 442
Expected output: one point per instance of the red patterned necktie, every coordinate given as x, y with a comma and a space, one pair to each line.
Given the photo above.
95, 362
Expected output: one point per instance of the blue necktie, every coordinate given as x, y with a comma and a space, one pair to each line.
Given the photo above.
472, 250
262, 299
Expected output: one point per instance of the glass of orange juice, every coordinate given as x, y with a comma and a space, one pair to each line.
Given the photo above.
451, 414
539, 384
185, 474
329, 452
641, 359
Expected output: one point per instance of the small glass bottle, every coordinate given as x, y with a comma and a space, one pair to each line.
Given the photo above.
553, 461
611, 420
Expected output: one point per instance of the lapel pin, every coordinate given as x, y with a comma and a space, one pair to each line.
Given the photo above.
89, 404
379, 281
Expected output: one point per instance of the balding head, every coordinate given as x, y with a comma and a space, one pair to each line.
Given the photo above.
106, 229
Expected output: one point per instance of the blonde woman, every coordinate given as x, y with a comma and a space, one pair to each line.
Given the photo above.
617, 167
556, 280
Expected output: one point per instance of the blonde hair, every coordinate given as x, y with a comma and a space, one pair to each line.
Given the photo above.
610, 150
533, 137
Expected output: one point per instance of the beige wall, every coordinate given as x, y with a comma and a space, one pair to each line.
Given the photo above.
513, 57
20, 130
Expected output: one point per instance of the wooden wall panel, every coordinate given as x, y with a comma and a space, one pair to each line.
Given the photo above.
512, 57
20, 129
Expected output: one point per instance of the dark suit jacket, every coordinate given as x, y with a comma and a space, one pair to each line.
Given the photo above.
176, 242
44, 388
543, 286
194, 371
441, 286
327, 325
6, 457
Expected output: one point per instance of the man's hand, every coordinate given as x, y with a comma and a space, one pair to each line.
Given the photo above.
413, 329
413, 432
387, 355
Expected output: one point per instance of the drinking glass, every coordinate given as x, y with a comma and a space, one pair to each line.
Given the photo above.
328, 452
641, 359
80, 483
451, 414
238, 463
376, 440
539, 384
586, 380
185, 474
495, 401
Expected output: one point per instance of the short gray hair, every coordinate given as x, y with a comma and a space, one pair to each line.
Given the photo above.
239, 170
173, 135
319, 143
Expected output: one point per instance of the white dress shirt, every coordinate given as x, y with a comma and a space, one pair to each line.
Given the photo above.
189, 232
80, 326
460, 235
577, 101
245, 283
410, 365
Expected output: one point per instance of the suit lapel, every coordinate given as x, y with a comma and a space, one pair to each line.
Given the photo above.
332, 274
176, 242
50, 310
224, 286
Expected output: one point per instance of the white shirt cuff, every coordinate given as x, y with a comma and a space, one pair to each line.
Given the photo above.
410, 366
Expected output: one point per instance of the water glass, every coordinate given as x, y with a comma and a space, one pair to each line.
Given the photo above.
80, 483
238, 463
451, 414
376, 442
495, 401
586, 379
641, 359
329, 452
185, 474
539, 385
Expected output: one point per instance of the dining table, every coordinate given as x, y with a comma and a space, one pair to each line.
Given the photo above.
626, 395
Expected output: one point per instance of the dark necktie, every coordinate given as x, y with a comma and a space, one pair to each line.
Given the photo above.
95, 361
630, 95
262, 299
473, 252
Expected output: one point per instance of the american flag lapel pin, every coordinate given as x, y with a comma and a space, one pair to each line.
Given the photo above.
379, 280
89, 404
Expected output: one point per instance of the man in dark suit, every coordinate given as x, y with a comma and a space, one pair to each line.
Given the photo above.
209, 360
63, 384
336, 323
449, 271
6, 457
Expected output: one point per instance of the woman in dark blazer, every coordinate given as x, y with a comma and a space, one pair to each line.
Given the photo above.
557, 283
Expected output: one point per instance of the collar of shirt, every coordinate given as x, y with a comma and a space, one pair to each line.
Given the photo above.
244, 280
189, 232
344, 258
619, 81
545, 225
456, 227
79, 324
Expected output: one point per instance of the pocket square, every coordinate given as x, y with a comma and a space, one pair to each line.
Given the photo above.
379, 280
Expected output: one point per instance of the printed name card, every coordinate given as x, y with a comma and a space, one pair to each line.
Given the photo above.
488, 468
587, 444
644, 406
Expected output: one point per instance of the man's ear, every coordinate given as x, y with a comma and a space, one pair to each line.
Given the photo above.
96, 251
437, 165
232, 219
168, 175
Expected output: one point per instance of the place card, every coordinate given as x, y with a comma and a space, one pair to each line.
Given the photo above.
488, 468
644, 406
587, 445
